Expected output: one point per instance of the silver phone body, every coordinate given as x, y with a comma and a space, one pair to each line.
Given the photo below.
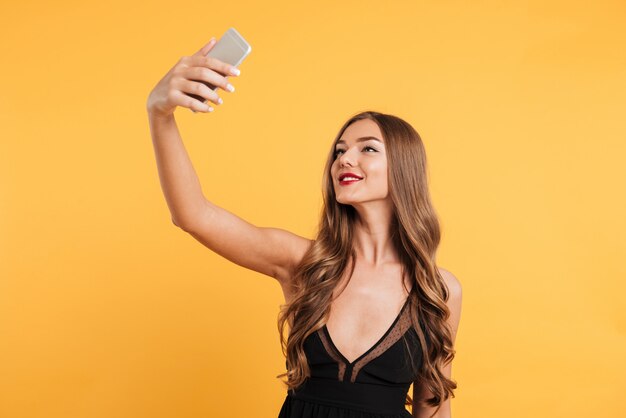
231, 48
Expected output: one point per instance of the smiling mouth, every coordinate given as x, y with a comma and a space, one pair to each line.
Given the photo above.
345, 182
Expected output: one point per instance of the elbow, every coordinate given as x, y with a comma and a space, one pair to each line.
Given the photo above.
179, 224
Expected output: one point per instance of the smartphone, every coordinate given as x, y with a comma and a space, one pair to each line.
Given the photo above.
231, 48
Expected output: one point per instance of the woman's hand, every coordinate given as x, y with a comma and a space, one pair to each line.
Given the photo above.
190, 82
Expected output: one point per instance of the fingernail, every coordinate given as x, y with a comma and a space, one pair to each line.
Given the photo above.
230, 87
235, 71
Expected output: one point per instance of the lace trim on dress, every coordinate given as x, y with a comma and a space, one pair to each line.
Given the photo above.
396, 333
401, 324
331, 353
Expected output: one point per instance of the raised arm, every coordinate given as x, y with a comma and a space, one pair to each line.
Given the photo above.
271, 251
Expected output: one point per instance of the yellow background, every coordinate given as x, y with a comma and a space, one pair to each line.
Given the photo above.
108, 310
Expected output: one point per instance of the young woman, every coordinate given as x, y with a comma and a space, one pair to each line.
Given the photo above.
368, 311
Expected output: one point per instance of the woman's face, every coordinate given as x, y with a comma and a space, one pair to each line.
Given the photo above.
365, 158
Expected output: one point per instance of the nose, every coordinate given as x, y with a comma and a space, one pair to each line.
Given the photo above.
344, 160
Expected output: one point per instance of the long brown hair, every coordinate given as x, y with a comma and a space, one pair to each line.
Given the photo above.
416, 235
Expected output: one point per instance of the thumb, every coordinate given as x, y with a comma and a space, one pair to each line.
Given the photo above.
205, 49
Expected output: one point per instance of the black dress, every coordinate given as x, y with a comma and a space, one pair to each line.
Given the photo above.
374, 385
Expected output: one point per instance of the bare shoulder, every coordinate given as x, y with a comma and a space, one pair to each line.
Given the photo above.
453, 283
455, 296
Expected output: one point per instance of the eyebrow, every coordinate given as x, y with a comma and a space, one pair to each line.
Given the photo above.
361, 139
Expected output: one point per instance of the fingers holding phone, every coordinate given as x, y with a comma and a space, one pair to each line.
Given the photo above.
202, 76
190, 83
205, 74
194, 80
231, 49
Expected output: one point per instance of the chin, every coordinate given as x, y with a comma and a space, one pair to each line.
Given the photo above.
346, 202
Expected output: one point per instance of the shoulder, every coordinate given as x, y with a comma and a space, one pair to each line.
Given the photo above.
452, 282
455, 296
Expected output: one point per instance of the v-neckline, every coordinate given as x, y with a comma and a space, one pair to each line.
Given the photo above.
377, 343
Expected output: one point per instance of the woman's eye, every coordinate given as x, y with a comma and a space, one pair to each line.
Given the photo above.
368, 147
